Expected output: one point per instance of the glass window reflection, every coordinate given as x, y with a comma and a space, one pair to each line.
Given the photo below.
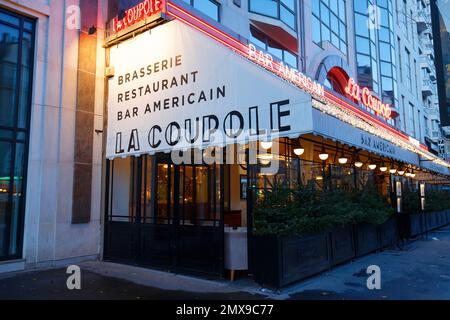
333, 27
16, 40
284, 10
269, 45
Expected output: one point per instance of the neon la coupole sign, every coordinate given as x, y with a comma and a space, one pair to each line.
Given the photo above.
139, 12
370, 101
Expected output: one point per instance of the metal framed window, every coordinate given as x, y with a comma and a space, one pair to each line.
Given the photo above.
209, 7
375, 48
267, 44
283, 10
16, 70
329, 23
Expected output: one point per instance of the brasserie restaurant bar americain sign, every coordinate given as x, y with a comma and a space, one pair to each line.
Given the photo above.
192, 92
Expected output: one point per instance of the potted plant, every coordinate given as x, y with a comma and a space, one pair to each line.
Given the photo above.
373, 230
302, 232
411, 208
436, 205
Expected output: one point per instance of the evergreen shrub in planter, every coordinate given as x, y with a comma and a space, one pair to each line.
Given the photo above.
298, 233
436, 205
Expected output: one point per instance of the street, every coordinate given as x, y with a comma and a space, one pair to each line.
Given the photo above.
418, 270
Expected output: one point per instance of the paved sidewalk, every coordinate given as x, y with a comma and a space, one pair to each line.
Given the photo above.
420, 270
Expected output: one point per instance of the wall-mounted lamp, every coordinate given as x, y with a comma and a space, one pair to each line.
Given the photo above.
92, 30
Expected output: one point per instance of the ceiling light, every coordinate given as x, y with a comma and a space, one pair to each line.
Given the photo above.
371, 165
343, 159
401, 171
265, 159
358, 162
323, 154
393, 170
266, 145
299, 151
383, 167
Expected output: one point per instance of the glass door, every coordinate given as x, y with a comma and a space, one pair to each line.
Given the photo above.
16, 65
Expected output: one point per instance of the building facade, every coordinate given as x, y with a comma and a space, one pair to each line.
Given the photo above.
440, 25
51, 157
83, 182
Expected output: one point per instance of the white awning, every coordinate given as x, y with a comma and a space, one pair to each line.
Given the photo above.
176, 89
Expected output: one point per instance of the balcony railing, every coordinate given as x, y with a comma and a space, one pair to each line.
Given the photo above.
428, 88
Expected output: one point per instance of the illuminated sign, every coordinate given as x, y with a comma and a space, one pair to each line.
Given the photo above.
266, 61
141, 11
366, 97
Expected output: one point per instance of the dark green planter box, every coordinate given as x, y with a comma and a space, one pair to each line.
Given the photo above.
417, 224
388, 235
342, 245
366, 236
442, 219
436, 220
431, 220
279, 261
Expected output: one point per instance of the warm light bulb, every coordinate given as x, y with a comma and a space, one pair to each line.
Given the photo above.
299, 151
393, 171
408, 174
401, 172
324, 156
266, 145
413, 175
343, 160
372, 166
265, 159
358, 164
383, 168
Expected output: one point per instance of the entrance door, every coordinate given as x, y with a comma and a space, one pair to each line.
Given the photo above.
199, 223
16, 74
177, 223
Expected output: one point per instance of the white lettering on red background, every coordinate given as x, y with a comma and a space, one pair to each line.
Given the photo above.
145, 9
370, 101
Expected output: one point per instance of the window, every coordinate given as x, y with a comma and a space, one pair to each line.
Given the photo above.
209, 7
419, 120
405, 18
412, 119
408, 69
375, 48
16, 65
400, 64
416, 78
404, 114
271, 46
329, 23
284, 10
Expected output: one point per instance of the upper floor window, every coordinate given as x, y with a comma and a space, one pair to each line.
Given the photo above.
284, 10
329, 23
209, 7
267, 44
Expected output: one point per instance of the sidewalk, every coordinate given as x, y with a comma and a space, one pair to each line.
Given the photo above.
420, 270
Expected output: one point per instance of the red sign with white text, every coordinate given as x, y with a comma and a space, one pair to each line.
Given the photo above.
141, 11
370, 101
